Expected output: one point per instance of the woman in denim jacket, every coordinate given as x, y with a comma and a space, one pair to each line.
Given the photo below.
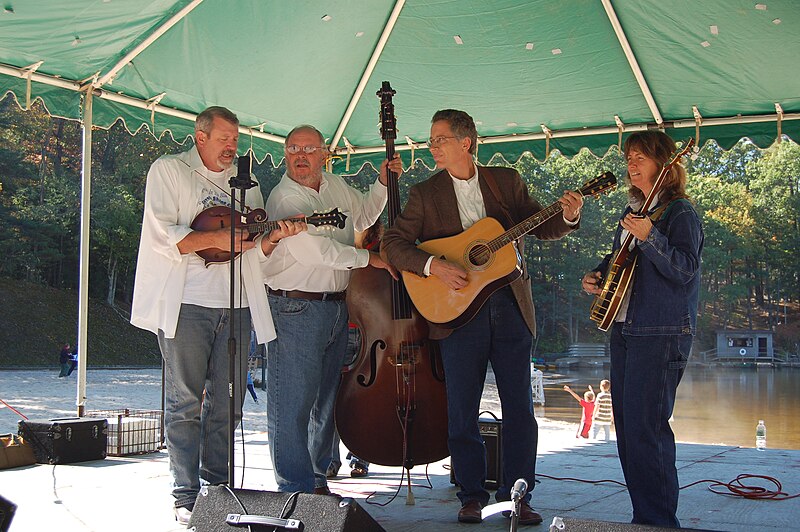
652, 334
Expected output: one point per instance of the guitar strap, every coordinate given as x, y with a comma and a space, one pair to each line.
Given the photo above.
664, 209
489, 177
244, 208
520, 242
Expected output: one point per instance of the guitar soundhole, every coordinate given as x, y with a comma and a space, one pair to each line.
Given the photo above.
479, 256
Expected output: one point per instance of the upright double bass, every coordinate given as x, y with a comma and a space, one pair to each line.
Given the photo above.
392, 406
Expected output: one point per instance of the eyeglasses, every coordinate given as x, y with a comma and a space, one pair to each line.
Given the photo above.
294, 149
435, 142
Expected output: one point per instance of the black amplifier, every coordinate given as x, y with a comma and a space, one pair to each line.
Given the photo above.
491, 428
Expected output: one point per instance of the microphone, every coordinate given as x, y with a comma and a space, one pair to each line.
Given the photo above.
519, 490
242, 179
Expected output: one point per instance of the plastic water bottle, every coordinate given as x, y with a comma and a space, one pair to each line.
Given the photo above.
761, 435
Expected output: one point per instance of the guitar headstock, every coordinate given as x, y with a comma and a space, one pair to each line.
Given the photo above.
388, 121
606, 182
680, 152
334, 218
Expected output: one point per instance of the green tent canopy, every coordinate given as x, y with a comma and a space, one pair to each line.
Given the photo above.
536, 75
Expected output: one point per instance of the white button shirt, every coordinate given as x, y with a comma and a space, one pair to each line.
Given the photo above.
320, 259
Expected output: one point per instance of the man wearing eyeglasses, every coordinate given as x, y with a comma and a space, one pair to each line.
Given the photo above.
448, 203
307, 277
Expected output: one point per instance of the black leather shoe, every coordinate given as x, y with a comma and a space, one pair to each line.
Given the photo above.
359, 471
322, 490
470, 512
527, 515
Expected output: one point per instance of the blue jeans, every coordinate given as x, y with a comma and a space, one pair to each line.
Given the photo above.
196, 360
497, 334
645, 372
304, 365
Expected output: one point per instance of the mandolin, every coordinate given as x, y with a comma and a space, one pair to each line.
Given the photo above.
255, 222
491, 263
617, 279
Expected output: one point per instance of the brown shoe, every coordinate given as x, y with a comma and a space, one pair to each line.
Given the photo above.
470, 512
528, 516
322, 490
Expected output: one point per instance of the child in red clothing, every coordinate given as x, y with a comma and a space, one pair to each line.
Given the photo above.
587, 404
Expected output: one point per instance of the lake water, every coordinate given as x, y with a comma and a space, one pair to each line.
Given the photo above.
714, 405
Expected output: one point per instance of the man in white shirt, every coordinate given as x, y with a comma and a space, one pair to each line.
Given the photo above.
448, 203
186, 303
307, 277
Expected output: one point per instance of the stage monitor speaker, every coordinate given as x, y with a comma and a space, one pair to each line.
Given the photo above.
219, 508
7, 509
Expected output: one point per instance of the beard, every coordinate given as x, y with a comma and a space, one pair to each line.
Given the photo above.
225, 159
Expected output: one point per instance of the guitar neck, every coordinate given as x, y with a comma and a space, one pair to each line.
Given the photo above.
268, 226
526, 226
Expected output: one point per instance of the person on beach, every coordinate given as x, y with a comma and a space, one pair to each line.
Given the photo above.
587, 410
603, 414
652, 334
64, 360
73, 360
251, 387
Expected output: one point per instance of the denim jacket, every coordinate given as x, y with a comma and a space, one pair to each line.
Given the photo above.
666, 282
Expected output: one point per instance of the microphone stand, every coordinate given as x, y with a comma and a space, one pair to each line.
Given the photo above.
518, 491
241, 182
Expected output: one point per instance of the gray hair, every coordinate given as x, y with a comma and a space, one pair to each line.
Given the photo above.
305, 127
205, 120
461, 124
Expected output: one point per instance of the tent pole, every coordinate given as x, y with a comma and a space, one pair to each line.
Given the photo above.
83, 283
373, 61
150, 39
632, 61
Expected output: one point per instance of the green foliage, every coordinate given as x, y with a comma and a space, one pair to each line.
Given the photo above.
748, 200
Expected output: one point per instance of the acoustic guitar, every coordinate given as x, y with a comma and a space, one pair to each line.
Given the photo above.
491, 263
617, 278
255, 222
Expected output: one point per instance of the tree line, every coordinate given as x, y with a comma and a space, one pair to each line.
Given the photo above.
747, 199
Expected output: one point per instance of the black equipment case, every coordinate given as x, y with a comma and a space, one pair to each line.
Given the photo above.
67, 440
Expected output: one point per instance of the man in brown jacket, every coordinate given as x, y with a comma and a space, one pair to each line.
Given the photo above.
501, 332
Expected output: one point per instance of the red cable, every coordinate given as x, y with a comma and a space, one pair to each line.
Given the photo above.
14, 410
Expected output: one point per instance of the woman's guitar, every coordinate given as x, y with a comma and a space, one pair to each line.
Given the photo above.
617, 279
491, 263
255, 222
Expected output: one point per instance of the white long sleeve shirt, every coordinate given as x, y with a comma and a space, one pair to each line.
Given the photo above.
320, 260
179, 187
